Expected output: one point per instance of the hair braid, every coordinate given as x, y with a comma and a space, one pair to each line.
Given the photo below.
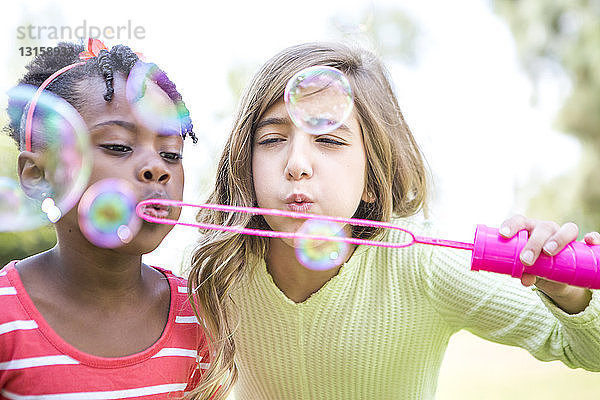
105, 64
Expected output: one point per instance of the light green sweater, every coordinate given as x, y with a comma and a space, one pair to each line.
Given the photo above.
379, 329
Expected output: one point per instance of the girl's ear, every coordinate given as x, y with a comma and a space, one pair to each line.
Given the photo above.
368, 196
31, 174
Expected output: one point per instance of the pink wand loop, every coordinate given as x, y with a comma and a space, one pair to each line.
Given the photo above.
273, 234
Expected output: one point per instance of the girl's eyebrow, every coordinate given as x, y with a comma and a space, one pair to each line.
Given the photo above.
127, 125
286, 121
272, 121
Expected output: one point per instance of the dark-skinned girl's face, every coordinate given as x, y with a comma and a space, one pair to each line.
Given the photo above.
124, 147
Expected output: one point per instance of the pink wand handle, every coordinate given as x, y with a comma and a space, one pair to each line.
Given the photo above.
577, 264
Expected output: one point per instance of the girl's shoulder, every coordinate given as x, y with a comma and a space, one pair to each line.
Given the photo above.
171, 275
177, 284
181, 307
14, 315
416, 224
397, 232
9, 285
179, 289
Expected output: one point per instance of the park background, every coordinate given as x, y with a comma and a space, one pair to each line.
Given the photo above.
503, 96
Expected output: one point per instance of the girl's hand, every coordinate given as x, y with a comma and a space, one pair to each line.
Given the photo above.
550, 238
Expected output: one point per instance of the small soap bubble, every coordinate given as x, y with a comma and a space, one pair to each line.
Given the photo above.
354, 21
321, 255
107, 213
124, 233
153, 108
318, 99
59, 137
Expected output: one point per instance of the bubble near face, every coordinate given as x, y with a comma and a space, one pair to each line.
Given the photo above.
107, 213
17, 211
320, 255
318, 99
355, 21
153, 107
60, 141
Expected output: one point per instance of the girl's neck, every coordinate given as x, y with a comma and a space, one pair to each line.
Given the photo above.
87, 273
295, 280
98, 269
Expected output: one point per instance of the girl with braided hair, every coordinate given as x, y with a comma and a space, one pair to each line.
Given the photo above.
82, 321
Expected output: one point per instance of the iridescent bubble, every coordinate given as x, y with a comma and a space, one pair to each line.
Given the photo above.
318, 99
354, 21
60, 142
17, 211
321, 254
156, 111
107, 213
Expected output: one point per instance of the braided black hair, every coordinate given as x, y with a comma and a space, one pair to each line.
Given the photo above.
119, 59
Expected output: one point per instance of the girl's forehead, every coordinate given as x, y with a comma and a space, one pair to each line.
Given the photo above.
276, 108
91, 90
140, 106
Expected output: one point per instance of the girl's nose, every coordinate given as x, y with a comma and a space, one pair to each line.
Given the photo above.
154, 171
299, 164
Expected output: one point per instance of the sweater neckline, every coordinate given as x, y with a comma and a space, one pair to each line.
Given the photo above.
266, 280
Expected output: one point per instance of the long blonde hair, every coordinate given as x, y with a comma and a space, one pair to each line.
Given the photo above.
396, 175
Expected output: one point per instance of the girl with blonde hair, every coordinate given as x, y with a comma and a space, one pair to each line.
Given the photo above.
376, 326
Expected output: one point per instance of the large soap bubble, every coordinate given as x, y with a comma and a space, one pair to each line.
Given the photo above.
60, 141
318, 99
158, 113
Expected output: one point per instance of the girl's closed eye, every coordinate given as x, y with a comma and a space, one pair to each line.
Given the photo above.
330, 141
270, 140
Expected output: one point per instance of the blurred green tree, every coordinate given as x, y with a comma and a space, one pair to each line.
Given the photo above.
555, 36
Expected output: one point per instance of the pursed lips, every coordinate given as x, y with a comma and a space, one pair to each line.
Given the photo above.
299, 202
156, 210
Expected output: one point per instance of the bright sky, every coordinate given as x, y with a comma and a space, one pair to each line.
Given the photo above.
466, 99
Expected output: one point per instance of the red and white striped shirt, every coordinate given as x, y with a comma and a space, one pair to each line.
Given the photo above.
36, 363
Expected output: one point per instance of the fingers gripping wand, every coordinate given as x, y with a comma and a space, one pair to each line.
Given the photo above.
577, 264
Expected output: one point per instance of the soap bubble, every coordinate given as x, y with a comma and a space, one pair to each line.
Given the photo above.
321, 254
157, 112
17, 211
318, 99
354, 21
107, 215
60, 141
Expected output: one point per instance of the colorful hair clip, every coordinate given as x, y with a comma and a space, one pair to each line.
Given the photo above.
93, 50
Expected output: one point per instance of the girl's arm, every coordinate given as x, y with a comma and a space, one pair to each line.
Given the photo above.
499, 308
550, 238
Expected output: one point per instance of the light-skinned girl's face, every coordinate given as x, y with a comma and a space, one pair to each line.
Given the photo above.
124, 147
297, 171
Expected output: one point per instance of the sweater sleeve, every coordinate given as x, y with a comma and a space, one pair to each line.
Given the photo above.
499, 308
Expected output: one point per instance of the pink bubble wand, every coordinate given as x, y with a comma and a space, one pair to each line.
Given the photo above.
291, 235
577, 264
